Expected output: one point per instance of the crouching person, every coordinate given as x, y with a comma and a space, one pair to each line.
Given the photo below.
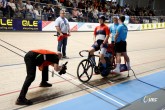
42, 59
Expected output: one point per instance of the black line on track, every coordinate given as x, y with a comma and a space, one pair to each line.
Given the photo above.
12, 64
100, 89
68, 73
51, 98
146, 49
11, 50
66, 79
83, 89
13, 46
74, 76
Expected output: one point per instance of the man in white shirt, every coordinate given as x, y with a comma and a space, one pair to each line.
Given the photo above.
95, 14
30, 9
3, 4
21, 8
12, 8
63, 28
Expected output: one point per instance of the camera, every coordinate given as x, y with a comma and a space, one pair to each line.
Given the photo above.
63, 70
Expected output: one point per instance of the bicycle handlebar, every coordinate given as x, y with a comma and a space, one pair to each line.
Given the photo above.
86, 51
82, 51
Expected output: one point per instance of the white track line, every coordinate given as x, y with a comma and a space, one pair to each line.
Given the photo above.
96, 91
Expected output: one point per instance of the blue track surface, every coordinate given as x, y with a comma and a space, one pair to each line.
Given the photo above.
128, 91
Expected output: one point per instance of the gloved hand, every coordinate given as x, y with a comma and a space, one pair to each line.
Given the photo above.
63, 70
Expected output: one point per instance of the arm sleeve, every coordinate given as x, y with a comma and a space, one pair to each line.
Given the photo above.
68, 25
107, 31
57, 23
31, 7
110, 29
118, 29
95, 31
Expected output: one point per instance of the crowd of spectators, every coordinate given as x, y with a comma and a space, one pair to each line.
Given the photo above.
90, 9
77, 10
17, 8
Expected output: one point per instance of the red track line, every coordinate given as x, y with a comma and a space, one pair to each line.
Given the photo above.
70, 79
31, 88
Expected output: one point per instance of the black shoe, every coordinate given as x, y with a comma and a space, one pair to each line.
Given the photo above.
96, 70
23, 101
45, 84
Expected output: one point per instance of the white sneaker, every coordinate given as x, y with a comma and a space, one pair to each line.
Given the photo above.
116, 70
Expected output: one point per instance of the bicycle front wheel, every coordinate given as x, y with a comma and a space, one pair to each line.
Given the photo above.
85, 71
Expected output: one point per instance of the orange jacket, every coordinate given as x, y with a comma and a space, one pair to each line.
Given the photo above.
44, 52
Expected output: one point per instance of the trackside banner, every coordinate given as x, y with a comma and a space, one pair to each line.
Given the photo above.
38, 25
152, 26
20, 25
80, 27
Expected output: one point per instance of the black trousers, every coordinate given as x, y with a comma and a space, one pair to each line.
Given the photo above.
4, 10
31, 73
11, 11
121, 47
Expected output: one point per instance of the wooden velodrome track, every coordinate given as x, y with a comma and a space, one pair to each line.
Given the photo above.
145, 48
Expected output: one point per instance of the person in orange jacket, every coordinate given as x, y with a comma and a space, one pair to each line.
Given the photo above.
42, 59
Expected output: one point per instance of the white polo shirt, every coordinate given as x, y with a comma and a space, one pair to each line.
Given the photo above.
29, 7
12, 5
63, 23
